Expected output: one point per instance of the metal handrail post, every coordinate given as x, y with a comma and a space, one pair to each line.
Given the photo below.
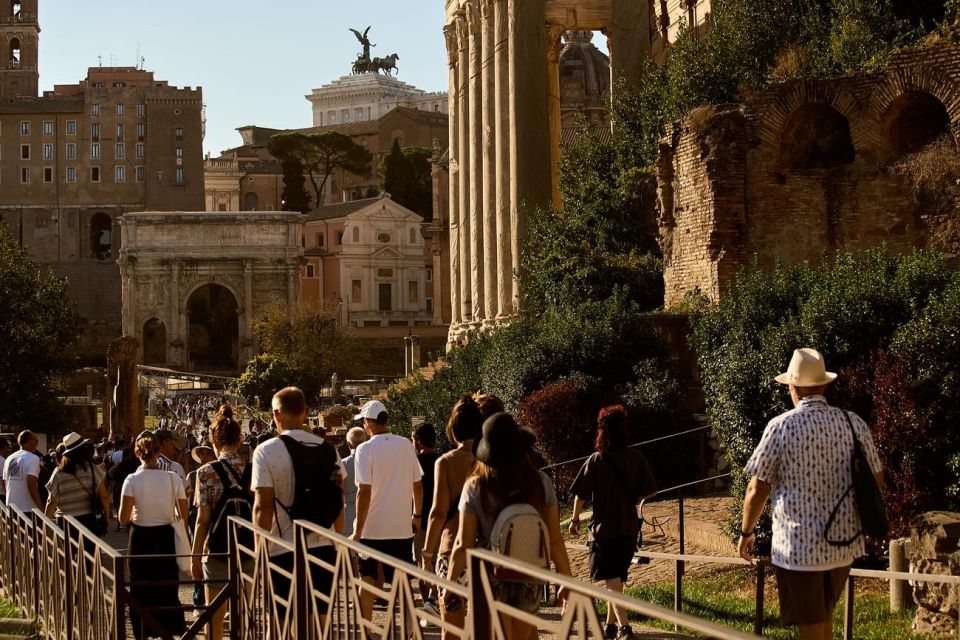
119, 598
761, 583
233, 575
68, 578
679, 566
299, 599
848, 611
479, 611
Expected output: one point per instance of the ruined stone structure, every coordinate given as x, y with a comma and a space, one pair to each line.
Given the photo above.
805, 167
122, 409
934, 537
505, 126
193, 283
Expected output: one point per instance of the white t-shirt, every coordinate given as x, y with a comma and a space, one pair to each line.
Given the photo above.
153, 492
388, 463
272, 467
3, 486
167, 464
17, 467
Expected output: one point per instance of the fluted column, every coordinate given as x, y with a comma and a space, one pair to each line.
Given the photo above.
489, 163
453, 49
501, 58
476, 163
553, 104
463, 162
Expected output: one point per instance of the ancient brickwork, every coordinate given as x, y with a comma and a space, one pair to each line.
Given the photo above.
802, 169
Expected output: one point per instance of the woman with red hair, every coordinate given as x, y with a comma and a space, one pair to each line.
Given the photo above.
614, 480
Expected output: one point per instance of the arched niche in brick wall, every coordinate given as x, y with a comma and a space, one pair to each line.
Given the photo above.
913, 120
816, 136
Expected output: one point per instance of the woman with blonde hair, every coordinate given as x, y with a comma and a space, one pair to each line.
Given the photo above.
149, 498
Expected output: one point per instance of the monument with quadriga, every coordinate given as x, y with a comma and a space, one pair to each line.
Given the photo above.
365, 63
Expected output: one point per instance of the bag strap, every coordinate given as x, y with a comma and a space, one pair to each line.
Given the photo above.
836, 508
90, 491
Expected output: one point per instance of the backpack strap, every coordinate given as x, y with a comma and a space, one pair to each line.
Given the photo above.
836, 508
218, 467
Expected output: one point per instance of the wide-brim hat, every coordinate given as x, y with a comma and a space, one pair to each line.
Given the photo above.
503, 441
195, 453
73, 441
807, 369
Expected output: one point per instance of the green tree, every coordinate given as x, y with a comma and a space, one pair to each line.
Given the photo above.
295, 196
36, 331
406, 174
320, 154
264, 375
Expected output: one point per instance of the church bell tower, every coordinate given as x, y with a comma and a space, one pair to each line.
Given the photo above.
19, 48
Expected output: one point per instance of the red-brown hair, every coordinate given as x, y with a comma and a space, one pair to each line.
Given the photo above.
611, 428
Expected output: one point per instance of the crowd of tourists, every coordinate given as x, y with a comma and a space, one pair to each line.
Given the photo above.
405, 500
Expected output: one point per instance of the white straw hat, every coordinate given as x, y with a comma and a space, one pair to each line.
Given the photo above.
807, 369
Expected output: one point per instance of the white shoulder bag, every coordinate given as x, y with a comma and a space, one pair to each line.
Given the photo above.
182, 541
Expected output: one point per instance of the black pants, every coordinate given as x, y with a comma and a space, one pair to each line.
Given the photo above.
161, 601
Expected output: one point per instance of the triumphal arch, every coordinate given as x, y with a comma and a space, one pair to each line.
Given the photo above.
505, 125
193, 283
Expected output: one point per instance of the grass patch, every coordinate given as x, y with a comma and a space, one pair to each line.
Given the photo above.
9, 610
727, 597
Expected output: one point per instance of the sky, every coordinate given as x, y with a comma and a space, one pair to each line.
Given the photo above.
255, 60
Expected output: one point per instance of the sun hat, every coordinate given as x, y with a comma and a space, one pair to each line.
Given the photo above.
195, 453
807, 369
375, 410
503, 441
73, 441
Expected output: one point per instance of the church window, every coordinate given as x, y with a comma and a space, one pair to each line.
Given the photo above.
25, 127
15, 51
71, 174
119, 110
71, 127
356, 234
48, 127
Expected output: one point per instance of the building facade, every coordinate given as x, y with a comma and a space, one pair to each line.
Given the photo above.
75, 159
369, 96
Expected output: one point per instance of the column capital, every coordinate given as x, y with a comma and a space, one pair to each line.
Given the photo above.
554, 42
472, 14
452, 39
486, 8
460, 24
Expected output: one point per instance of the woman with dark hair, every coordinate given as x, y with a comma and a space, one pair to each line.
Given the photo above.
76, 486
614, 479
450, 473
505, 476
149, 498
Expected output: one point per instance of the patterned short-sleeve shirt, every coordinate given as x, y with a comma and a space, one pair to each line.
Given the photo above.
804, 454
209, 487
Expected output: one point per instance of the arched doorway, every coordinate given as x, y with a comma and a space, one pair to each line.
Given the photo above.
101, 236
251, 202
914, 120
214, 328
154, 342
816, 136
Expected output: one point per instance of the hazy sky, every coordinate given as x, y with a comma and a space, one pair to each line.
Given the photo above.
255, 60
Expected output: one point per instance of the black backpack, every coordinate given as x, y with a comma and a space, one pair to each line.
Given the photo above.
234, 501
317, 495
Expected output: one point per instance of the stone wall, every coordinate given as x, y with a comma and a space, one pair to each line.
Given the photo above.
804, 168
935, 536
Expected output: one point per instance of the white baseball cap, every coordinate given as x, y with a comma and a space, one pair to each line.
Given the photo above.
372, 409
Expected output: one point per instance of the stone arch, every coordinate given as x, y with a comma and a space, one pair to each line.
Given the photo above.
251, 202
915, 79
154, 342
213, 321
16, 51
816, 136
913, 120
101, 236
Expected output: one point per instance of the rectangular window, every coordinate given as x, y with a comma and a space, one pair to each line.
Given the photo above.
385, 296
311, 271
320, 240
25, 128
48, 127
178, 133
141, 109
47, 151
141, 174
119, 132
413, 292
119, 173
179, 152
120, 151
178, 176
356, 291
24, 152
429, 304
71, 127
141, 150
25, 175
48, 174
141, 132
94, 174
119, 110
71, 174
71, 150
339, 237
429, 275
95, 132
95, 110
95, 150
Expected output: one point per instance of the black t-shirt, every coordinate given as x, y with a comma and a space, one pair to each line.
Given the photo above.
614, 482
427, 461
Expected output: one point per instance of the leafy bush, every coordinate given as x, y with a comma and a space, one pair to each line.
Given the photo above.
264, 375
933, 174
888, 325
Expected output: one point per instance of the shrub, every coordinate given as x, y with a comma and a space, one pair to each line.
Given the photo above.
264, 375
933, 174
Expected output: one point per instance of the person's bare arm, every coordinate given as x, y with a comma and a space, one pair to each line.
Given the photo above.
263, 507
578, 504
466, 536
34, 487
755, 499
363, 507
126, 510
104, 502
200, 540
51, 506
438, 515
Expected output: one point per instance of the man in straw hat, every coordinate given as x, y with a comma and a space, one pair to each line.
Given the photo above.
802, 465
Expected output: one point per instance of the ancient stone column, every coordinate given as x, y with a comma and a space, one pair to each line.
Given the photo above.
629, 33
248, 349
476, 163
530, 184
489, 165
501, 57
453, 168
438, 287
463, 162
123, 387
554, 45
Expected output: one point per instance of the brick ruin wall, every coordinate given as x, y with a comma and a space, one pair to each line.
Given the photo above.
802, 169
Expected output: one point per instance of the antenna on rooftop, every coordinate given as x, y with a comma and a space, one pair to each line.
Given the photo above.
99, 60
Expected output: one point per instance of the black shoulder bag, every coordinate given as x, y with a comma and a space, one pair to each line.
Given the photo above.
869, 501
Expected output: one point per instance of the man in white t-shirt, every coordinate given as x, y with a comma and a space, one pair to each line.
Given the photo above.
20, 473
389, 497
273, 482
4, 452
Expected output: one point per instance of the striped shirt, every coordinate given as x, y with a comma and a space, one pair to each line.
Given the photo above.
73, 492
804, 455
